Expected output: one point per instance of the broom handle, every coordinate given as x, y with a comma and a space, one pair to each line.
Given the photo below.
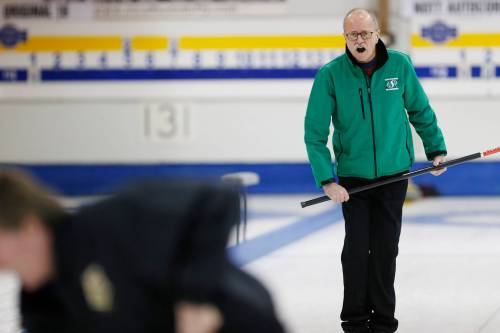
406, 175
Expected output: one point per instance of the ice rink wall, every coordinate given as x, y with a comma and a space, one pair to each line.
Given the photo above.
95, 94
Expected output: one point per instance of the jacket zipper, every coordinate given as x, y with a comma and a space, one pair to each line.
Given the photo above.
362, 104
368, 85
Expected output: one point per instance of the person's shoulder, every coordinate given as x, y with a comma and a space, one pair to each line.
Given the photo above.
332, 67
185, 190
164, 195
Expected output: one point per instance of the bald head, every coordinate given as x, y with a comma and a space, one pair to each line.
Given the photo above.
361, 33
360, 14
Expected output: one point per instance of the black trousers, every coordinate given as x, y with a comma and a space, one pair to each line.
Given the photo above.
372, 230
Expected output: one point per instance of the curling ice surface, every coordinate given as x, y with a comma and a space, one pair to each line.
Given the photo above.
447, 275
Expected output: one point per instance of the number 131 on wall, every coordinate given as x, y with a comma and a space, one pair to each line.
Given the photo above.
166, 122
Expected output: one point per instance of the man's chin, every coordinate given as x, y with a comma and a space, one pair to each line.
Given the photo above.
32, 284
363, 56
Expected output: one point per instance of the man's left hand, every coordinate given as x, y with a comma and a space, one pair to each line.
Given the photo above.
438, 160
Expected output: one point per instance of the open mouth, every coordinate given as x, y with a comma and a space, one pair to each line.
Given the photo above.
360, 49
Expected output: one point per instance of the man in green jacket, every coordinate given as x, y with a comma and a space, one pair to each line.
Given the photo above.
371, 95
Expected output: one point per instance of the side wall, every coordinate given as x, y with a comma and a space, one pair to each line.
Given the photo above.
161, 102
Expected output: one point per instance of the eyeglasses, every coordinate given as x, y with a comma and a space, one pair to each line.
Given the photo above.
353, 35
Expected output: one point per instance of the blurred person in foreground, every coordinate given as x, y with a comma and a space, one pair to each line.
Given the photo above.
151, 258
371, 95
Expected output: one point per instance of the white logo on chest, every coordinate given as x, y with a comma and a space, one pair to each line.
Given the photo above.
391, 84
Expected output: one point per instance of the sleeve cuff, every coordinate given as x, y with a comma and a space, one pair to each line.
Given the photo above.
430, 156
328, 181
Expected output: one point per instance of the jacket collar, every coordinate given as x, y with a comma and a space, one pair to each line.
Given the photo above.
380, 54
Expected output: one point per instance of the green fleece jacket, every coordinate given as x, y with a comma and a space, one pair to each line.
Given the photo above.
371, 116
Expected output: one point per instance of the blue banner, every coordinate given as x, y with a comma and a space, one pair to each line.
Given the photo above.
13, 75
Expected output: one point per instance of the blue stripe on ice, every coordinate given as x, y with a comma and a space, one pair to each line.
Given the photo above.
459, 219
261, 246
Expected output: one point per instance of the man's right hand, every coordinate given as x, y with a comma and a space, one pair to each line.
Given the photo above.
197, 318
336, 192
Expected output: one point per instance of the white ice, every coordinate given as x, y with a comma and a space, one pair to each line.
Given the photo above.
448, 269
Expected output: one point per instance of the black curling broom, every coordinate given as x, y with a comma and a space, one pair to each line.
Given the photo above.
406, 175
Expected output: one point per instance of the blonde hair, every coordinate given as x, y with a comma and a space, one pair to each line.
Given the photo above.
21, 195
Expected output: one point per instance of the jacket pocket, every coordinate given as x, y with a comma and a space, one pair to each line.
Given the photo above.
341, 148
406, 141
362, 104
338, 148
338, 159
